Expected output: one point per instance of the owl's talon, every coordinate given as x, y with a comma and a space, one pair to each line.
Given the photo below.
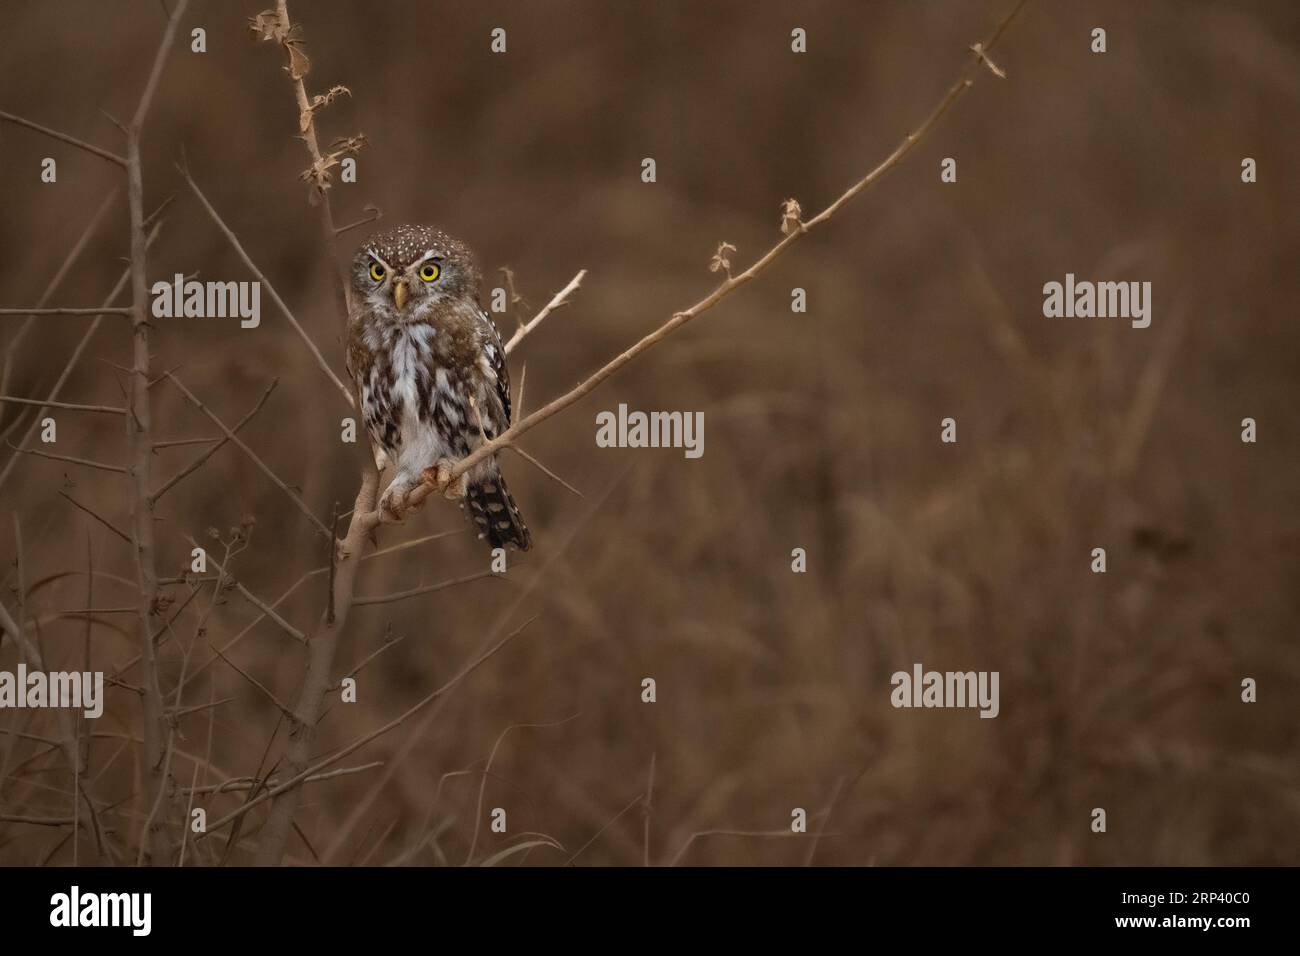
391, 508
393, 502
439, 475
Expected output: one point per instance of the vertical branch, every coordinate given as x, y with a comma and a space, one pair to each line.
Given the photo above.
323, 643
297, 68
322, 648
140, 438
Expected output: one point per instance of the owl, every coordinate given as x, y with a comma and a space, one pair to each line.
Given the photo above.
430, 372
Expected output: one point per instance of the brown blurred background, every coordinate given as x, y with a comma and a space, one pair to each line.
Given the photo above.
1119, 691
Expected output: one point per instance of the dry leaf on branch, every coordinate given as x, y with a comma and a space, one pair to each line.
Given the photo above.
318, 173
720, 259
319, 101
267, 25
791, 216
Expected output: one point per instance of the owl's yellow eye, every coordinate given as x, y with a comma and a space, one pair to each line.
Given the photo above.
429, 272
377, 272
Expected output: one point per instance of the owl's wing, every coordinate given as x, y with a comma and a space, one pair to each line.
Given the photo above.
496, 355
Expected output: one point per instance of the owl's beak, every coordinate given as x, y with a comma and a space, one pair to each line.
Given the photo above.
400, 294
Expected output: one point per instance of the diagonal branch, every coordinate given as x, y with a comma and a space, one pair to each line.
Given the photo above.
12, 348
71, 364
298, 778
266, 284
64, 137
732, 283
284, 708
220, 443
100, 518
253, 456
254, 600
561, 298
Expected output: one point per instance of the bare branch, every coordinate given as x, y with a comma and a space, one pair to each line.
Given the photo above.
101, 519
287, 33
375, 215
68, 458
390, 643
544, 470
70, 406
640, 798
284, 708
561, 298
198, 462
237, 784
81, 347
63, 137
293, 782
100, 311
266, 284
159, 61
254, 600
11, 350
487, 769
426, 589
253, 456
158, 739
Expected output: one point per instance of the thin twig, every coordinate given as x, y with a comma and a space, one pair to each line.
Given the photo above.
63, 137
560, 298
487, 769
102, 520
102, 310
266, 284
293, 782
253, 599
237, 784
544, 470
46, 403
424, 589
198, 462
12, 348
375, 215
639, 798
284, 708
68, 458
253, 456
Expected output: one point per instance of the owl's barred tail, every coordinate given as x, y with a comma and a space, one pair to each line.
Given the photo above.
496, 515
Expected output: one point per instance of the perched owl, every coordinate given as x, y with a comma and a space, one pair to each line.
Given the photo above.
430, 372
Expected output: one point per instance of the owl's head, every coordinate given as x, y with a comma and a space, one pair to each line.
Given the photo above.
405, 272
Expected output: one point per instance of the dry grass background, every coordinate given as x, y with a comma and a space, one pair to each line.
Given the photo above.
1120, 691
